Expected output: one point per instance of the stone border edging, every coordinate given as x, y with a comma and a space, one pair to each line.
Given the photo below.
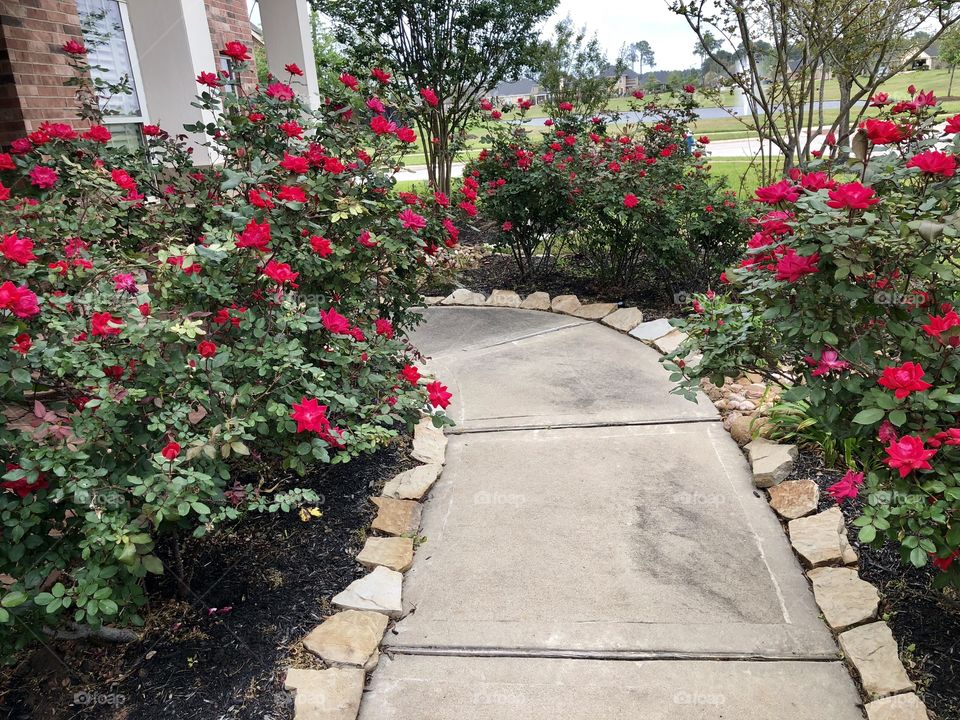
348, 642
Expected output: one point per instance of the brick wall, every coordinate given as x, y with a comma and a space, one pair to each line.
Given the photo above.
32, 65
230, 20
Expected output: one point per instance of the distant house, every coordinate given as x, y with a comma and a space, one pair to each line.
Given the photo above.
929, 59
521, 89
626, 82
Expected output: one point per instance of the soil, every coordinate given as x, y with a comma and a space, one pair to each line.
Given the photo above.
499, 272
255, 589
925, 620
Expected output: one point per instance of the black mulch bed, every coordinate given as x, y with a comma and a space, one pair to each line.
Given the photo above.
275, 573
925, 621
499, 272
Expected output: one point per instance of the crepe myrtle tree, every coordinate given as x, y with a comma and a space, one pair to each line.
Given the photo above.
445, 55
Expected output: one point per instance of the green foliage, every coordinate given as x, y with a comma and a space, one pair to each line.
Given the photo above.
845, 295
177, 337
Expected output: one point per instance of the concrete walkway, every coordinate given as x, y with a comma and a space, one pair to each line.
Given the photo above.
595, 548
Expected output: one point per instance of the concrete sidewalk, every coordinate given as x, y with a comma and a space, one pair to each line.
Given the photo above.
595, 548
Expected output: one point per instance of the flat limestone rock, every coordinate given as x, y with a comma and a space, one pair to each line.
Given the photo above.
844, 599
331, 694
380, 591
872, 651
429, 443
568, 304
624, 319
351, 637
794, 498
771, 462
396, 517
817, 538
650, 331
669, 342
503, 298
462, 296
432, 300
413, 484
595, 311
898, 707
395, 553
536, 301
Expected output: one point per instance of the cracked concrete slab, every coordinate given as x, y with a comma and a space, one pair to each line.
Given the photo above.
614, 540
543, 373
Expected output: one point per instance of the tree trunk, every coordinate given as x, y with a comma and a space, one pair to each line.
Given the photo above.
950, 86
843, 125
823, 81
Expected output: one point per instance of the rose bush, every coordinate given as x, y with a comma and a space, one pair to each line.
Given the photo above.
173, 335
638, 203
846, 295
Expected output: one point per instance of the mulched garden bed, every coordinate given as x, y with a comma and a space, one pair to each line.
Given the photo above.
499, 272
925, 621
256, 589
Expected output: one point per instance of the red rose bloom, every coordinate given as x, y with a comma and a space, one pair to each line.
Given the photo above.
385, 328
171, 450
439, 396
295, 164
335, 322
630, 200
43, 177
908, 454
689, 89
934, 162
321, 246
429, 97
853, 196
255, 235
882, 132
311, 416
953, 124
412, 221
280, 273
847, 487
293, 69
74, 47
105, 324
17, 249
410, 374
237, 50
280, 91
791, 266
209, 79
98, 133
207, 349
350, 81
782, 191
22, 343
406, 135
380, 75
904, 380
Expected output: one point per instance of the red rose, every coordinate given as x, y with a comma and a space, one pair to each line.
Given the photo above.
565, 106
280, 91
310, 416
17, 249
207, 349
291, 129
280, 273
953, 124
908, 454
689, 89
934, 162
782, 191
237, 50
171, 450
791, 266
43, 177
904, 379
295, 164
105, 324
852, 195
630, 200
410, 374
293, 69
882, 132
321, 246
385, 328
255, 235
335, 322
380, 75
406, 135
429, 97
74, 47
412, 221
209, 79
22, 343
350, 81
847, 487
439, 396
98, 133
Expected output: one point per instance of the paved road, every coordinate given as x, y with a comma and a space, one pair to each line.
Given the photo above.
595, 548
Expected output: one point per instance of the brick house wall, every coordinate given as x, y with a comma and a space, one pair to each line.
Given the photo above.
230, 20
32, 66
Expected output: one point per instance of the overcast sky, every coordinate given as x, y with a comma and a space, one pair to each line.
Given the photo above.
620, 21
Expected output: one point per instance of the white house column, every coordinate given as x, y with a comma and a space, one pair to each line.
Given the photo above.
286, 35
173, 46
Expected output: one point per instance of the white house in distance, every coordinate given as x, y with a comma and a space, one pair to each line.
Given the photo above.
929, 59
521, 89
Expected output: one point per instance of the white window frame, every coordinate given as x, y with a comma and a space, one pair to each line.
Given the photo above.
144, 117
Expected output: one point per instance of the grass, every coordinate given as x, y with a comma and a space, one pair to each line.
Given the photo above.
742, 175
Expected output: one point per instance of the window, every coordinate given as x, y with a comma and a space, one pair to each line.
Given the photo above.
229, 75
107, 33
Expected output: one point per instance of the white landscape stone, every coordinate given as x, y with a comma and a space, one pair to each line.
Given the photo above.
650, 331
413, 484
817, 538
624, 319
432, 300
380, 591
669, 342
429, 443
536, 301
395, 553
595, 311
844, 599
568, 304
351, 637
503, 298
771, 462
872, 651
898, 707
331, 694
794, 498
463, 296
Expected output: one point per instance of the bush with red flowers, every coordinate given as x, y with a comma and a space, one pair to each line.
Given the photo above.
847, 295
175, 336
638, 203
